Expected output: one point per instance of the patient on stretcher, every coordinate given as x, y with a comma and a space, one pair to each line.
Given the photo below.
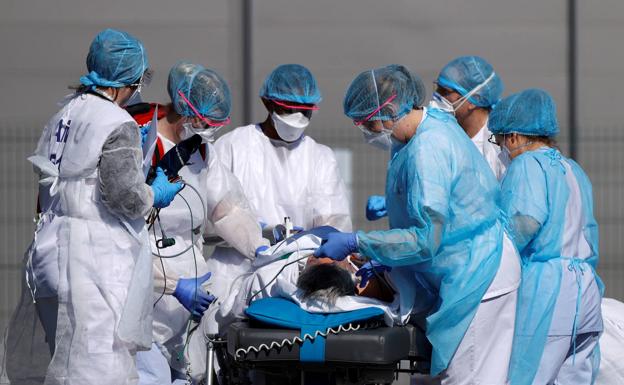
324, 279
290, 271
318, 285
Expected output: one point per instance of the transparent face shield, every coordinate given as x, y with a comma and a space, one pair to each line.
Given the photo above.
446, 105
499, 140
379, 137
144, 81
201, 125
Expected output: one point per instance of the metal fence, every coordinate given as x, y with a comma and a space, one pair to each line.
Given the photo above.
599, 154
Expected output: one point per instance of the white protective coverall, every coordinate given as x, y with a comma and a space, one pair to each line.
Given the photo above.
491, 152
299, 180
104, 264
220, 205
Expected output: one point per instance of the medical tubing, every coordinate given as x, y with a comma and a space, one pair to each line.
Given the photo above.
190, 319
191, 214
242, 352
195, 262
280, 270
162, 264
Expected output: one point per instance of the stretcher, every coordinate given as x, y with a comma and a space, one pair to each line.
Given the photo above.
357, 352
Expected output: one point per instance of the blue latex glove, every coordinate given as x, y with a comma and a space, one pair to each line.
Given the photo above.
144, 131
191, 295
164, 191
376, 207
338, 246
369, 270
261, 249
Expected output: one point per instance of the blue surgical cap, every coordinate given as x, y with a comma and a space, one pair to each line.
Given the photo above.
116, 59
468, 72
530, 112
371, 89
204, 88
291, 83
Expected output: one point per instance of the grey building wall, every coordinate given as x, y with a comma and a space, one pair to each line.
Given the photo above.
44, 45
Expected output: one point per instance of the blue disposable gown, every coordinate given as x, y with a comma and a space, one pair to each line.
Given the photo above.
535, 194
444, 226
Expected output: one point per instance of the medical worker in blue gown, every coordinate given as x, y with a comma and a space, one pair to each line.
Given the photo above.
467, 87
548, 199
446, 237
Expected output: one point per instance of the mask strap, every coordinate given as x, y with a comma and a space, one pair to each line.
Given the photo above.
530, 142
474, 91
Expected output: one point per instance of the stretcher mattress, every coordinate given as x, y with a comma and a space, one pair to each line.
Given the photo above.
377, 346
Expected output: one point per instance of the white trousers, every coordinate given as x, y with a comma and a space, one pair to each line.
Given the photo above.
153, 367
559, 365
483, 354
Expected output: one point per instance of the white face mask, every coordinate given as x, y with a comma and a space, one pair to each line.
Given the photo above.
207, 134
440, 102
135, 98
290, 127
381, 140
505, 154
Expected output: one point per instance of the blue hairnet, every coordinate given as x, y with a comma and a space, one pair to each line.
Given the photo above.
530, 112
291, 83
467, 72
204, 88
371, 89
116, 59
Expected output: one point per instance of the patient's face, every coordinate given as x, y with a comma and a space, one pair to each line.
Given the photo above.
325, 279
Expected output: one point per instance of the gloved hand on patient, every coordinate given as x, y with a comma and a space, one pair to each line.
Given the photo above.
369, 270
192, 296
338, 246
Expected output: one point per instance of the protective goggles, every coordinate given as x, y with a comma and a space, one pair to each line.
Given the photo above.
209, 122
145, 80
307, 111
494, 138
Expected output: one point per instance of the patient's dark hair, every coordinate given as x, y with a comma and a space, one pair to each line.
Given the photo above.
325, 282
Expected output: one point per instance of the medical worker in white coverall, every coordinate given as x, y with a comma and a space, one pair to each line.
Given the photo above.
284, 172
200, 105
93, 193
